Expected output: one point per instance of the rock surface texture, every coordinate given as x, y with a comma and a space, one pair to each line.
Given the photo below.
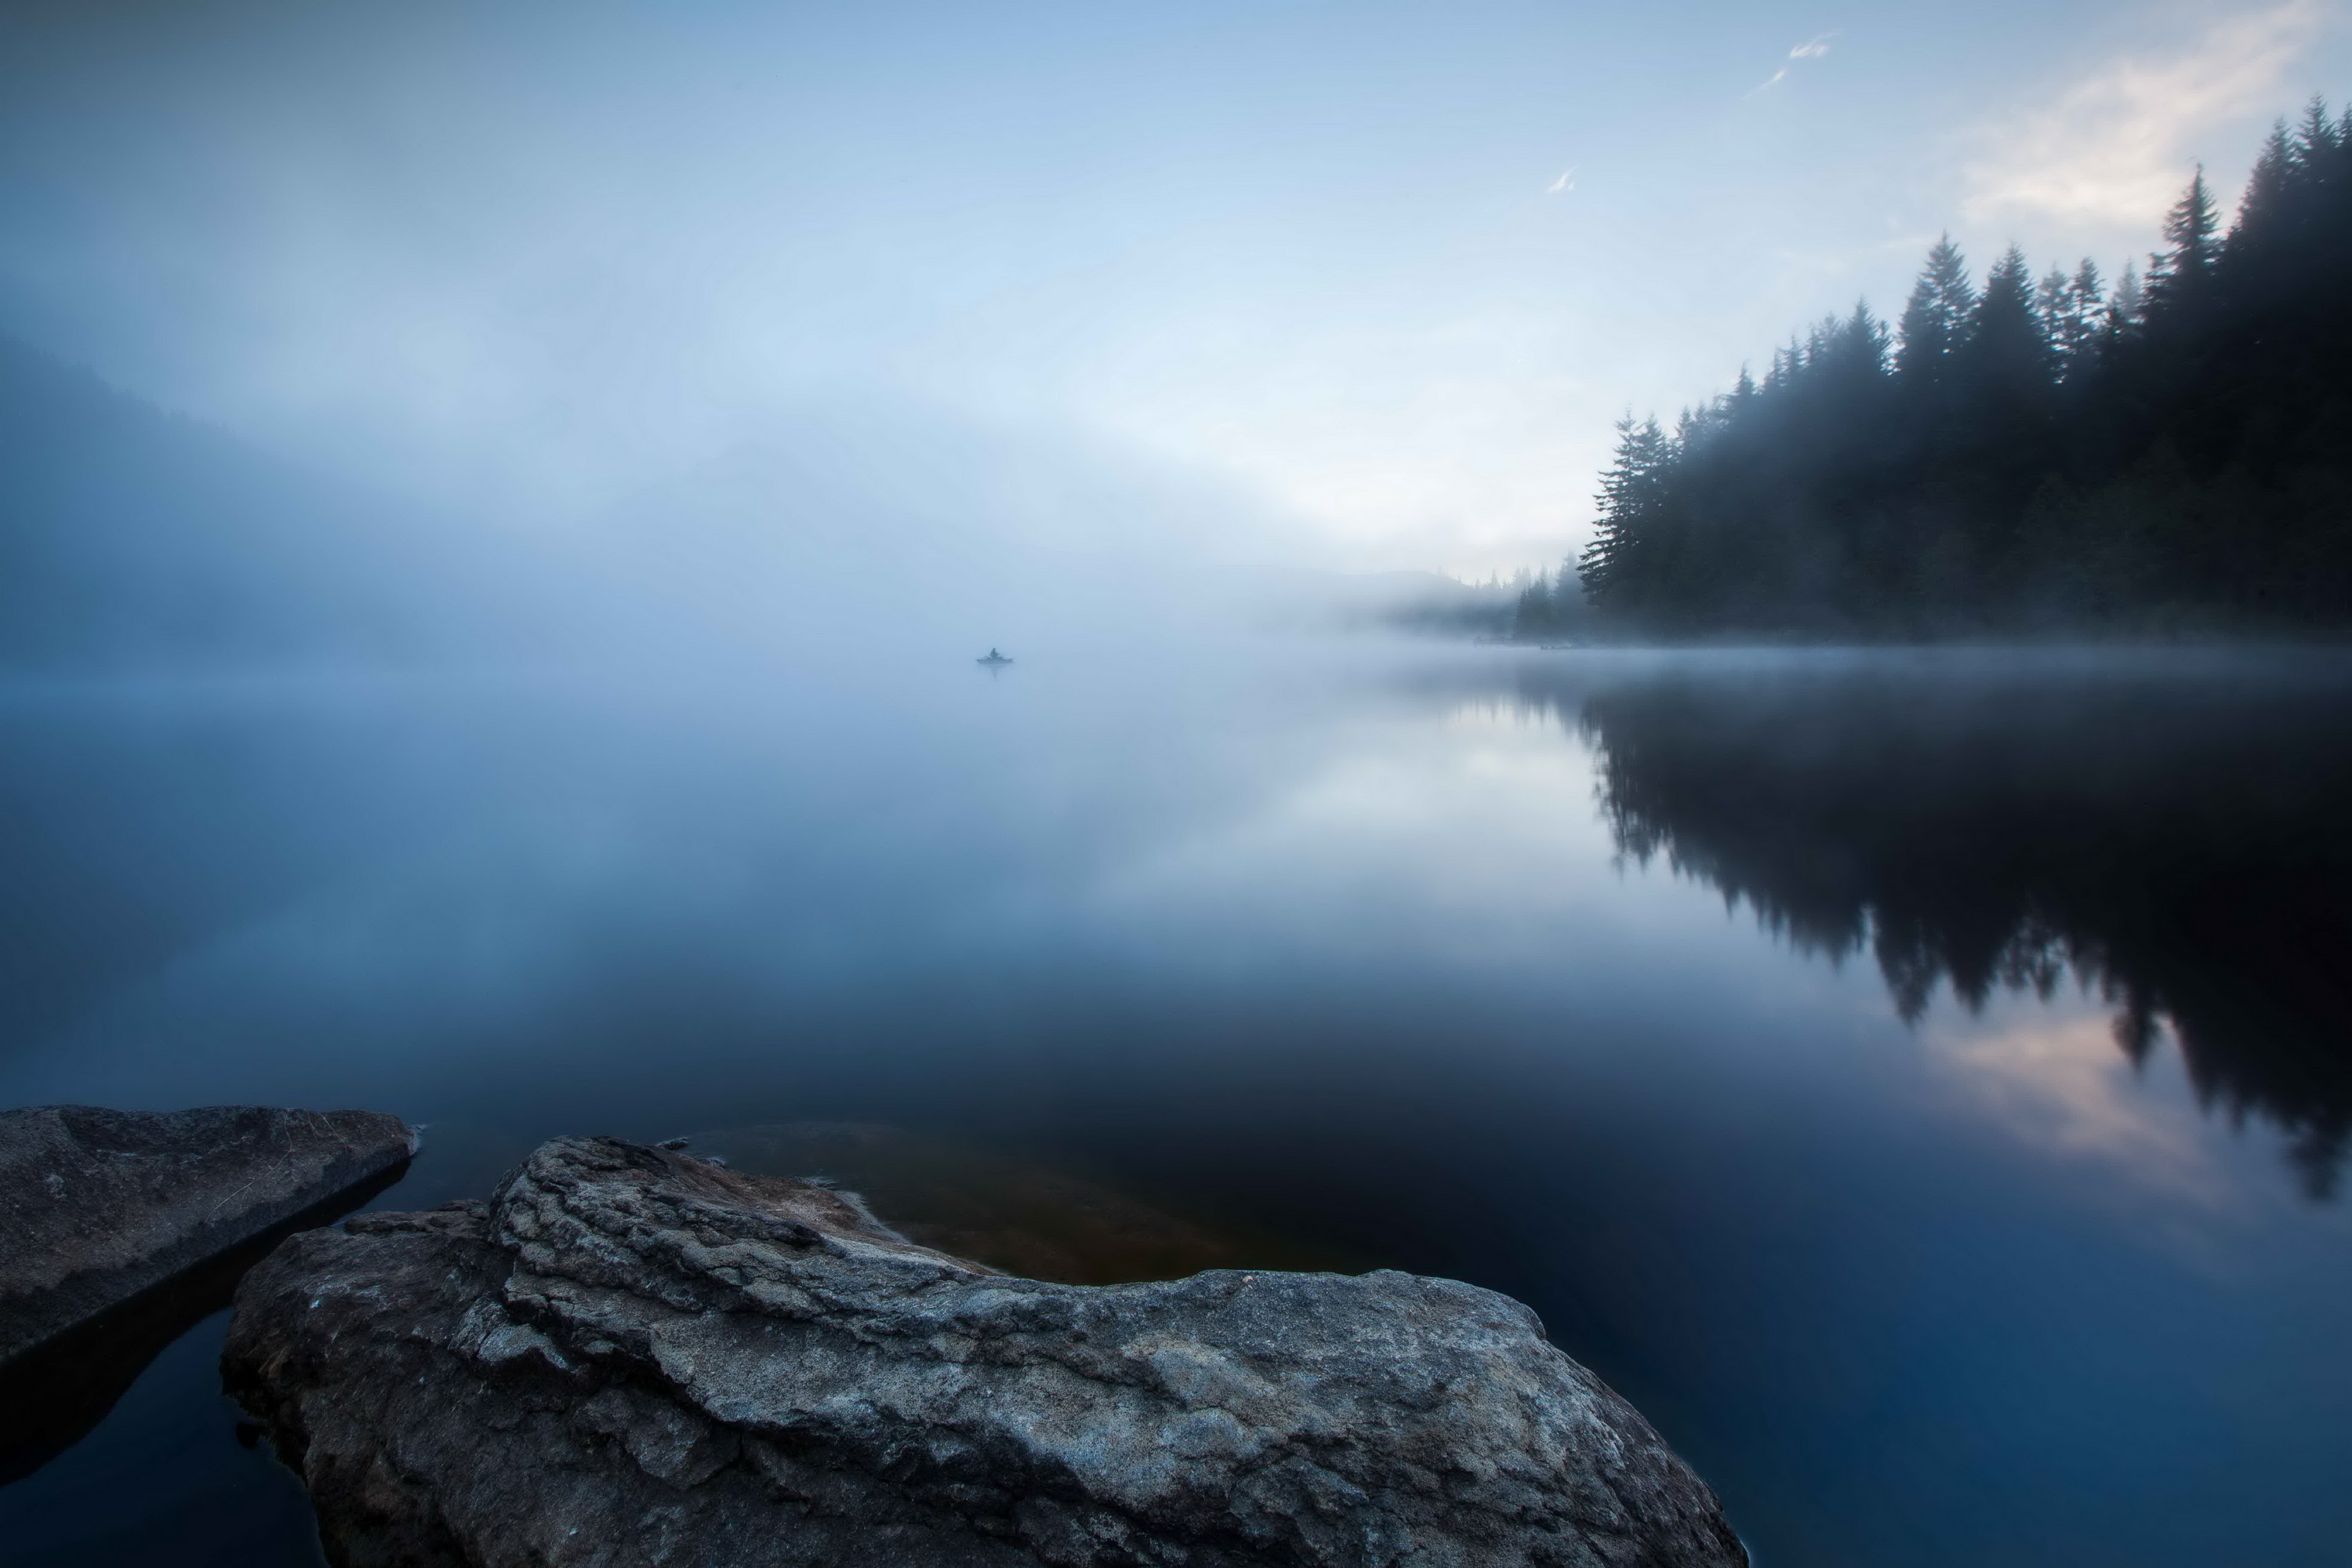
631, 1356
98, 1206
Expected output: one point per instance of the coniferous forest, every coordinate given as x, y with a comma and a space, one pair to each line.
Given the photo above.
2171, 453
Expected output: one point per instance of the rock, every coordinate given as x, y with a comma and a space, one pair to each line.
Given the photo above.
99, 1206
631, 1356
55, 1394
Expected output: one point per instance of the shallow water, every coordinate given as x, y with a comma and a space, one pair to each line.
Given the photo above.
1920, 1082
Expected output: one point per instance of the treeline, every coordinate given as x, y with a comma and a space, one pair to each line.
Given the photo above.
2167, 454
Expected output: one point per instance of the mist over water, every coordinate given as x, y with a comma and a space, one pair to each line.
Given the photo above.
500, 515
1876, 1116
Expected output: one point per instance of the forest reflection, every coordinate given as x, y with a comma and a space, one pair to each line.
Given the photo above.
2171, 835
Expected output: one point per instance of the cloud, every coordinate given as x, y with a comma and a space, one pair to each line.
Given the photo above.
1813, 49
1566, 182
2061, 1085
2116, 147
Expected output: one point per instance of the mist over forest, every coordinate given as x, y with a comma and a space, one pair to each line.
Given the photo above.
2172, 454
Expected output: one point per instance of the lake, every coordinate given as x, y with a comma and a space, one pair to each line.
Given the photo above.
1921, 1082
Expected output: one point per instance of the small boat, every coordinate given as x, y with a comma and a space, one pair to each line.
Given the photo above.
994, 660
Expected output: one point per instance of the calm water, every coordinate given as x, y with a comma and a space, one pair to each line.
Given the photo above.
1921, 1083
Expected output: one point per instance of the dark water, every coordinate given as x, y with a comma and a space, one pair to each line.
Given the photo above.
1921, 1083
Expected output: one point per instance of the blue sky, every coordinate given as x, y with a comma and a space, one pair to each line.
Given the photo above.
1370, 281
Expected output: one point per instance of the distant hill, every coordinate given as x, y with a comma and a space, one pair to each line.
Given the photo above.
131, 537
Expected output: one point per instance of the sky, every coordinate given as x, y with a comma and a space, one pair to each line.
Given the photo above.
1354, 286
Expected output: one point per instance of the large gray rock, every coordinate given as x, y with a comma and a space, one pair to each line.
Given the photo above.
98, 1206
632, 1356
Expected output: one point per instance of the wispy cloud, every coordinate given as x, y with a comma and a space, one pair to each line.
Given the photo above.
1565, 183
2115, 146
2063, 1086
1813, 49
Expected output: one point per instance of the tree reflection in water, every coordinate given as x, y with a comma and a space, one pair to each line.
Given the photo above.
2175, 834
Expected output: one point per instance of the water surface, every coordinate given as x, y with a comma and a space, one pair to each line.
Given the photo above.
1919, 1082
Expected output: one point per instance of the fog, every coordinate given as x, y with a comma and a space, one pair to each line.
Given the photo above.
503, 509
599, 328
1298, 284
144, 541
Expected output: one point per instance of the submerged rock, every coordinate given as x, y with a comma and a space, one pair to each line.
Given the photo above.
97, 1206
632, 1356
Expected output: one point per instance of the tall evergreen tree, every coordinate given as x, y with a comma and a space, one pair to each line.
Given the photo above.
1630, 509
1935, 319
2007, 349
2087, 300
2073, 312
2127, 309
2179, 281
2263, 206
2052, 299
2318, 138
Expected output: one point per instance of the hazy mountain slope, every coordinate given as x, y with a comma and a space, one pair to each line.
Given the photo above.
130, 537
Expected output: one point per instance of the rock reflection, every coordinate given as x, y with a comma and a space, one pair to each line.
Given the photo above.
1022, 1214
2171, 834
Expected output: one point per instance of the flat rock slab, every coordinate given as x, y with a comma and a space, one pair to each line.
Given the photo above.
630, 1356
98, 1206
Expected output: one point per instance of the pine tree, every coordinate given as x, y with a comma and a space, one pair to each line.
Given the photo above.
2087, 302
1935, 319
1537, 614
2052, 299
2262, 208
2318, 139
1860, 342
2072, 310
2128, 310
2006, 344
1610, 567
2179, 281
